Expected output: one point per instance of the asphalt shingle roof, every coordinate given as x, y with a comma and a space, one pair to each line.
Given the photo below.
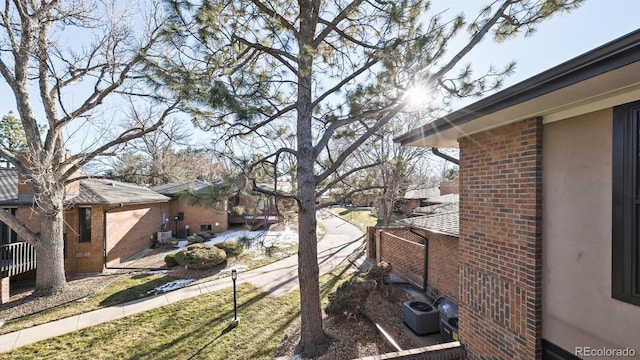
8, 184
111, 192
174, 189
422, 193
92, 192
437, 208
445, 223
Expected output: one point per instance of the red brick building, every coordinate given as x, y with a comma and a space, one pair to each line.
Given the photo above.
106, 221
185, 219
423, 250
549, 194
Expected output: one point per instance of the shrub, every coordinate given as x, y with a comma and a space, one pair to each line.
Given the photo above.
231, 248
200, 256
171, 242
205, 235
195, 239
170, 260
380, 273
350, 297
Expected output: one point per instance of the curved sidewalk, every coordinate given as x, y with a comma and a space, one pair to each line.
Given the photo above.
340, 242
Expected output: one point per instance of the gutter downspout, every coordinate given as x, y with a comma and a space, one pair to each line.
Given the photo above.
426, 257
437, 152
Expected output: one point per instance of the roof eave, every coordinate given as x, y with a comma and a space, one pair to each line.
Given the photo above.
615, 54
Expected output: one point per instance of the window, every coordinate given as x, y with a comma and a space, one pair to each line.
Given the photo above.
85, 224
7, 236
626, 203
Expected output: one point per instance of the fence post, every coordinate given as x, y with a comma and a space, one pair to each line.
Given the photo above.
4, 290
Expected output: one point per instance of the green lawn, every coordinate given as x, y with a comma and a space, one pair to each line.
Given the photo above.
358, 217
131, 287
197, 328
125, 288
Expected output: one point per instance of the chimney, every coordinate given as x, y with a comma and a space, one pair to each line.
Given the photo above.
449, 186
24, 187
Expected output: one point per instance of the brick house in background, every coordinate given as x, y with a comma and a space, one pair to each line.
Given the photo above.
549, 192
423, 248
415, 198
106, 221
183, 217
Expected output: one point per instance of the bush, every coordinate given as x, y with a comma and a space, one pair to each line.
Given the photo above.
350, 297
380, 273
231, 248
200, 256
171, 242
170, 260
205, 235
195, 239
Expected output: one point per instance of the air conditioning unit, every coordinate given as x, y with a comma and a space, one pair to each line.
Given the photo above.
162, 236
421, 317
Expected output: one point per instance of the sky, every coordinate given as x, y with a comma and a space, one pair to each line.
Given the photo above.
557, 40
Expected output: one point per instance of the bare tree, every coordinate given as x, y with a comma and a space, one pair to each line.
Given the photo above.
69, 66
153, 159
323, 71
399, 169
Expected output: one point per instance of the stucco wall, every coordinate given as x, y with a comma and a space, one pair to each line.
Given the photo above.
577, 306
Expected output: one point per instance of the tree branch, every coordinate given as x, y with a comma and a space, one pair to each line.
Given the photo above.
344, 176
17, 226
333, 25
75, 162
347, 195
372, 130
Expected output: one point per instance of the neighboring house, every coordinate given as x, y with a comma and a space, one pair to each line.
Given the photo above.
450, 186
260, 208
423, 248
185, 219
438, 204
549, 230
106, 221
415, 198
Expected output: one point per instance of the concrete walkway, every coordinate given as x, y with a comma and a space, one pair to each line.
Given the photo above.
341, 241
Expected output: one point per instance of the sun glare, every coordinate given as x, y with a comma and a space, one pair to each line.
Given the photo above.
417, 97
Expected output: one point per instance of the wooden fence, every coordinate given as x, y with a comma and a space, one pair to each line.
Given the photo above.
16, 258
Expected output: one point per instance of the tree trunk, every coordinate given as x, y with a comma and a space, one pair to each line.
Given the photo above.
312, 337
312, 340
50, 275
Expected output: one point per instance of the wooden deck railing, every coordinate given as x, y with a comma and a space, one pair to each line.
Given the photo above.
17, 258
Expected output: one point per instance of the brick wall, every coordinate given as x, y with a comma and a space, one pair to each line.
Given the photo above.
130, 230
500, 242
194, 217
408, 205
404, 250
450, 186
88, 256
444, 258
